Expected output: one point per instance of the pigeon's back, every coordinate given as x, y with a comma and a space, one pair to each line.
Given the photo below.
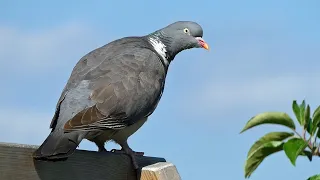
105, 53
110, 56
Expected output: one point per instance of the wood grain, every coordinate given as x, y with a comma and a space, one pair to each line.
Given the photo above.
16, 163
160, 171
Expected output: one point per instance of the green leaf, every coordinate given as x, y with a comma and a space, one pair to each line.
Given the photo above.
293, 148
256, 157
306, 117
318, 133
310, 126
273, 136
316, 120
315, 111
279, 118
302, 108
315, 177
296, 110
308, 154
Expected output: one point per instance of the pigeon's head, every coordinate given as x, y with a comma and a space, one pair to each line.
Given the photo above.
179, 36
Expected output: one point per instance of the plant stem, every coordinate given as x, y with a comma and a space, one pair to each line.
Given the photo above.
297, 133
309, 143
315, 137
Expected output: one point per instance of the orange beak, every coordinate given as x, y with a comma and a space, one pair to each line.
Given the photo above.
202, 43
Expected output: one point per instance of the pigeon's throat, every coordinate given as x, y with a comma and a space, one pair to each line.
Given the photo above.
160, 48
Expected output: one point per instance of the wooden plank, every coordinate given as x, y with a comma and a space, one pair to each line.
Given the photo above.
160, 171
16, 163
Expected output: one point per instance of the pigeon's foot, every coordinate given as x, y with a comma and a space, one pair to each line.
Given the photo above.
100, 145
102, 149
127, 150
123, 152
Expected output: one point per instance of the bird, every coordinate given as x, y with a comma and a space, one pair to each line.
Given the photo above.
113, 89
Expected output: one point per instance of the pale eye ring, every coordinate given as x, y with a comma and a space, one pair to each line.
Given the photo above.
186, 30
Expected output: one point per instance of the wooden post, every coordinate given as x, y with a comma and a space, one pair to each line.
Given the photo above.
160, 171
16, 163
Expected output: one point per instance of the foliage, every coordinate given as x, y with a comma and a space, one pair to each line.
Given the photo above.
315, 177
292, 143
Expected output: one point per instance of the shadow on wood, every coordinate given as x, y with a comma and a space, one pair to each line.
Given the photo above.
16, 163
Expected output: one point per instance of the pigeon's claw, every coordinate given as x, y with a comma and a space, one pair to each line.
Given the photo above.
133, 158
102, 149
136, 153
127, 150
100, 145
123, 152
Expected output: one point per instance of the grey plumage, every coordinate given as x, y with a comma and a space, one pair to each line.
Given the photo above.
112, 90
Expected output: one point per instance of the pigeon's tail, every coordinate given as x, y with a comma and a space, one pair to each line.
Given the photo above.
58, 146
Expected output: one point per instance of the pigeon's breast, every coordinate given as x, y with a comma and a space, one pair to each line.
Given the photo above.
143, 86
132, 82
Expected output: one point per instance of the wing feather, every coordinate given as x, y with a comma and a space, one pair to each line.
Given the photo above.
123, 90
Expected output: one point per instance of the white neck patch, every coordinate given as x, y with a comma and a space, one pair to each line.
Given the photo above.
160, 48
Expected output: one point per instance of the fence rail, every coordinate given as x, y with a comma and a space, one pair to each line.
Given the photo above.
16, 163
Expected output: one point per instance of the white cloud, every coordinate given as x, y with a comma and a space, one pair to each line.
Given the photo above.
42, 49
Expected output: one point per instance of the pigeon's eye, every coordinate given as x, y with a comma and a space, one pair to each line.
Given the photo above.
186, 30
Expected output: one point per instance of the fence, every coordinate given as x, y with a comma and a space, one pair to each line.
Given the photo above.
16, 163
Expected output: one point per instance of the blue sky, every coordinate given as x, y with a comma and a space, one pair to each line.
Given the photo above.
263, 55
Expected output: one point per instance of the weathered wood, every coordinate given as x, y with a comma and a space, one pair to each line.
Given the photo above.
16, 163
160, 171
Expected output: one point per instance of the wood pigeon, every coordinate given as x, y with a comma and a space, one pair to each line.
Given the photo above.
114, 89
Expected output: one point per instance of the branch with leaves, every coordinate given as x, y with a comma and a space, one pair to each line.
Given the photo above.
292, 143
